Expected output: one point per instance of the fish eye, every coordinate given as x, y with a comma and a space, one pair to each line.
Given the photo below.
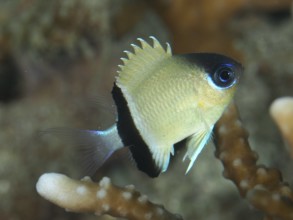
224, 76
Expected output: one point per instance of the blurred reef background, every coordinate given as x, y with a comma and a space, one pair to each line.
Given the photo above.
58, 60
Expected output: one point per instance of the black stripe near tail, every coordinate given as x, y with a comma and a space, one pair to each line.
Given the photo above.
131, 137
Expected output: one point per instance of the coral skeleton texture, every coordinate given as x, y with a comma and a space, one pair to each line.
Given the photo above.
100, 198
261, 186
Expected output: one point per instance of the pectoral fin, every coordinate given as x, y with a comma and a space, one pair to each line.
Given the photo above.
161, 157
195, 144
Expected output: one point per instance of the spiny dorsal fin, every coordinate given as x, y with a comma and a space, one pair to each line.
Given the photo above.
138, 64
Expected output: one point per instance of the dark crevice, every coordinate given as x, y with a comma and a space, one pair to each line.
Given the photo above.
10, 80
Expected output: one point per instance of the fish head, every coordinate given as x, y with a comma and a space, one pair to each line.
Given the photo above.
215, 82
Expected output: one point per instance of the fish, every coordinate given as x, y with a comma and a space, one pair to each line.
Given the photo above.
164, 99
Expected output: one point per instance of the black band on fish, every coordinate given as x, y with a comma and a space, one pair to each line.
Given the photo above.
131, 137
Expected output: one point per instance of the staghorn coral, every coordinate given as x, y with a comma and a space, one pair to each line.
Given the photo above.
101, 198
281, 111
261, 186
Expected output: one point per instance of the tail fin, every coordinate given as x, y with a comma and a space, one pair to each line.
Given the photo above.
95, 146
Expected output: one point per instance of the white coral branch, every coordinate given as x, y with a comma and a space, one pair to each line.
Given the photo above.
100, 198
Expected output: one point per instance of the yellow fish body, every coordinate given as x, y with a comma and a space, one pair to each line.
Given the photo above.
163, 99
173, 97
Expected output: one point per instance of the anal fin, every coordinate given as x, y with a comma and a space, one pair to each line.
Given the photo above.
162, 157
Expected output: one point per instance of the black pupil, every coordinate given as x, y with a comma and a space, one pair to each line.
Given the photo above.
225, 75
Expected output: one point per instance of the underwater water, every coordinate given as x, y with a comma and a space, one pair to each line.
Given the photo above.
58, 62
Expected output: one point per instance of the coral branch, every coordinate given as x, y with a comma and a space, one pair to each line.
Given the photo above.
261, 186
100, 198
281, 111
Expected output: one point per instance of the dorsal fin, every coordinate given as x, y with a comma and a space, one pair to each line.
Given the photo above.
136, 66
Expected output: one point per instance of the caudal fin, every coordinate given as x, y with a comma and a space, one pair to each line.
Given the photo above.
95, 146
